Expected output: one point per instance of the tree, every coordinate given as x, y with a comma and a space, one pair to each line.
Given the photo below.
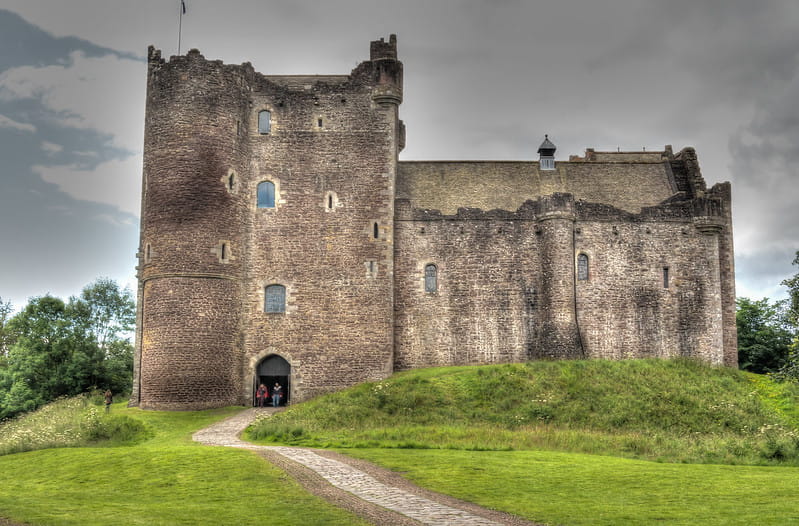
790, 370
5, 335
109, 313
764, 335
65, 349
793, 293
35, 372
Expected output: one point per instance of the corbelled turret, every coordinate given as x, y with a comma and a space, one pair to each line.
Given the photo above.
388, 71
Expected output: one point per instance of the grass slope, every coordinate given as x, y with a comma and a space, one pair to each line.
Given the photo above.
674, 411
489, 435
484, 434
579, 489
166, 479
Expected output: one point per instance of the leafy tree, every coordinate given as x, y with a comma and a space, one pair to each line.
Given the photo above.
64, 349
5, 335
35, 371
109, 313
793, 293
790, 370
764, 335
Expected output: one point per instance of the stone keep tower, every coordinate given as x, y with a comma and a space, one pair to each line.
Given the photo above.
266, 246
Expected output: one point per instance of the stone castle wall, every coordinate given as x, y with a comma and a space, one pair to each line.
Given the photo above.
208, 251
334, 187
508, 287
189, 321
352, 231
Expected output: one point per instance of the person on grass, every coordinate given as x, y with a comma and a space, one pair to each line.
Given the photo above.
109, 399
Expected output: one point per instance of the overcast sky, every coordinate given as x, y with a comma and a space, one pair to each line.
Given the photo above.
483, 80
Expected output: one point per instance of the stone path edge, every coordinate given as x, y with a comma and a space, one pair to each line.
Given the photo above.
314, 484
226, 433
392, 478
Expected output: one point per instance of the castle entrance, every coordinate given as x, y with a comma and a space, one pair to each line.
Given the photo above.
270, 370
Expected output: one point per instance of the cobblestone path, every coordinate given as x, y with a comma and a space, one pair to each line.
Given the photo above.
418, 508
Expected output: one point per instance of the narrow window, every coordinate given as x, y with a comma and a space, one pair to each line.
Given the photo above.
266, 194
223, 251
147, 253
547, 163
330, 202
319, 122
375, 231
665, 277
582, 267
275, 298
231, 181
264, 121
430, 278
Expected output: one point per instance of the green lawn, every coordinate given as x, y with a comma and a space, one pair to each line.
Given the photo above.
577, 489
166, 480
568, 443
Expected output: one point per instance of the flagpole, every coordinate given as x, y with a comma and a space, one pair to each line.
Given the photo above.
180, 22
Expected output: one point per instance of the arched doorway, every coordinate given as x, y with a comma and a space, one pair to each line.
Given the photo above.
273, 369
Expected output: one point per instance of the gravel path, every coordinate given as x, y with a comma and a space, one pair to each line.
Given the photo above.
378, 495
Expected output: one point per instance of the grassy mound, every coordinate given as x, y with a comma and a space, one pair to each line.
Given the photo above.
676, 410
69, 422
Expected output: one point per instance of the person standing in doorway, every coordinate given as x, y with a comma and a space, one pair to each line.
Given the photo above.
261, 395
277, 394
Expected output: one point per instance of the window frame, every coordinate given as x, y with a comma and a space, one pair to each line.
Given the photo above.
274, 306
430, 277
268, 128
583, 267
266, 202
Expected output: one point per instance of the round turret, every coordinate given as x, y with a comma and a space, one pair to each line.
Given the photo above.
191, 250
387, 72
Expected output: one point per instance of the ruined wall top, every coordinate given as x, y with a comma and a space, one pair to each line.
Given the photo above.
592, 155
366, 72
628, 181
380, 49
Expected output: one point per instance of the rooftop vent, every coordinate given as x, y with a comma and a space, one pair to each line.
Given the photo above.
546, 154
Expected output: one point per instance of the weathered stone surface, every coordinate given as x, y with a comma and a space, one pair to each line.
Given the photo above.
353, 229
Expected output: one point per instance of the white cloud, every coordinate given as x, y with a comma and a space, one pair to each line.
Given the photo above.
105, 94
6, 122
116, 182
51, 148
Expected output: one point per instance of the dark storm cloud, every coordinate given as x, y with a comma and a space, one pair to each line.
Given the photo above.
52, 242
24, 44
485, 80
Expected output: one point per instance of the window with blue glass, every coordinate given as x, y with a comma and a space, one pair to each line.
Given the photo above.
266, 194
275, 298
430, 278
264, 121
582, 267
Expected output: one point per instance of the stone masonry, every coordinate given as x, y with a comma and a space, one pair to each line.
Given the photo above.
384, 265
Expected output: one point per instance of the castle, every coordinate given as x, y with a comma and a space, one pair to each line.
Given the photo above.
283, 240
